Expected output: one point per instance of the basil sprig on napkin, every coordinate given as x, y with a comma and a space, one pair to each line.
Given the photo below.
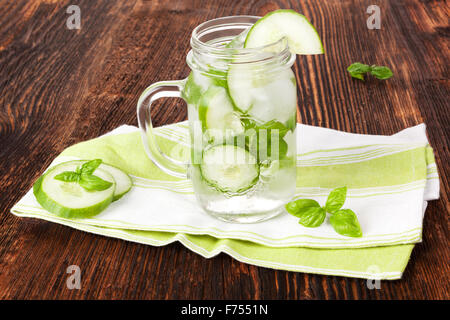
84, 176
312, 215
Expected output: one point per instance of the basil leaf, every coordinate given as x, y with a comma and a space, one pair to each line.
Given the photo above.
298, 206
89, 167
357, 75
291, 124
336, 199
274, 125
312, 217
358, 67
357, 70
248, 123
192, 92
67, 176
262, 141
93, 183
381, 72
218, 77
346, 223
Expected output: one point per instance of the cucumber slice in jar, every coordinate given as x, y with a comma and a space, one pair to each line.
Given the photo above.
264, 95
217, 115
69, 199
229, 168
301, 35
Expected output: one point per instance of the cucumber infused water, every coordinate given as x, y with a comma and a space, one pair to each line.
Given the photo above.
242, 125
242, 102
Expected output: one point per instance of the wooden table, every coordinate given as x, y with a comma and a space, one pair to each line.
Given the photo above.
61, 86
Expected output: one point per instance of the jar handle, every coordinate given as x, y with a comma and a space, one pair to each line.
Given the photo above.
163, 89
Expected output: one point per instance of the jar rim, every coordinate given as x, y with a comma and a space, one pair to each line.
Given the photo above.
246, 54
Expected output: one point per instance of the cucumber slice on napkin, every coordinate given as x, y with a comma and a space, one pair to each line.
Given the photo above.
70, 199
123, 180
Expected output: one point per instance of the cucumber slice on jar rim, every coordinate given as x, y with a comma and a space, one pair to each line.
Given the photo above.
69, 199
266, 95
230, 169
301, 35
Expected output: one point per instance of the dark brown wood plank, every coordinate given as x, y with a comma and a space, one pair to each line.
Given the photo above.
60, 86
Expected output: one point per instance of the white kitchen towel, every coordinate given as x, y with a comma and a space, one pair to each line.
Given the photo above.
389, 181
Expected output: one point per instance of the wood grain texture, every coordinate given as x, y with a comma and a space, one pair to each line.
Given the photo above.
60, 86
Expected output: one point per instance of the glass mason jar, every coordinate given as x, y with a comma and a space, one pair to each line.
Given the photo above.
242, 107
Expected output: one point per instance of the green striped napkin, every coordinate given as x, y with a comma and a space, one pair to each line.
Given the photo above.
389, 180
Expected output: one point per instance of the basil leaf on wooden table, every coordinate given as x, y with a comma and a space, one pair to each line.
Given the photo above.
358, 70
381, 72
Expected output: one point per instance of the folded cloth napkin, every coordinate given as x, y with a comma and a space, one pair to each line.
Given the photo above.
389, 180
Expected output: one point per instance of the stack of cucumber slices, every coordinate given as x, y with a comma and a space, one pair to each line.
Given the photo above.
80, 188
